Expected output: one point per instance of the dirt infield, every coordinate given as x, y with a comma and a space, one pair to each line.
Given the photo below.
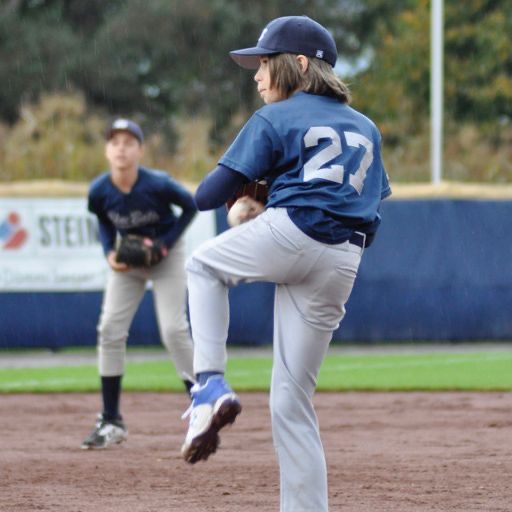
385, 451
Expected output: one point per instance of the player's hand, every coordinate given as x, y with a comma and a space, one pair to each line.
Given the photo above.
253, 208
115, 265
244, 208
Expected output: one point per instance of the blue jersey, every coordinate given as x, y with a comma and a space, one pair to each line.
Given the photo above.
145, 210
322, 161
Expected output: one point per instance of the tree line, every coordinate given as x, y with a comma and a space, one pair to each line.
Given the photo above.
165, 63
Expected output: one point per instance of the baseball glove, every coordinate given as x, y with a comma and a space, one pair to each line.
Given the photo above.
140, 252
258, 190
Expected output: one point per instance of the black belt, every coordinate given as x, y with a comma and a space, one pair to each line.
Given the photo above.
357, 239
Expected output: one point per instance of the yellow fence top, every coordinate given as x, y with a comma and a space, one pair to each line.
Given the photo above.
446, 189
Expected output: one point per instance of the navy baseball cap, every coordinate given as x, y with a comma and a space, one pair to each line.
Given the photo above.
125, 125
290, 34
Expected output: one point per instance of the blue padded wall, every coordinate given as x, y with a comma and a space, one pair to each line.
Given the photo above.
438, 270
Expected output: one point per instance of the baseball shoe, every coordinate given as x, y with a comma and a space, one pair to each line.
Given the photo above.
214, 406
105, 433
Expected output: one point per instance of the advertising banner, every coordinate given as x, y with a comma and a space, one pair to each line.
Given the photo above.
51, 244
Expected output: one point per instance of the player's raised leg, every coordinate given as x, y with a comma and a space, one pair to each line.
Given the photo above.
246, 253
214, 404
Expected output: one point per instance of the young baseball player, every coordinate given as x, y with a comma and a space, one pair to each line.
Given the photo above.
322, 162
132, 200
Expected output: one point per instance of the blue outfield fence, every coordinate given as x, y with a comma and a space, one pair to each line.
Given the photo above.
439, 270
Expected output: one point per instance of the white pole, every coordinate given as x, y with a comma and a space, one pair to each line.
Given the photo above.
436, 90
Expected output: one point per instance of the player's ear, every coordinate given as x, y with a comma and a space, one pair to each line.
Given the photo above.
303, 62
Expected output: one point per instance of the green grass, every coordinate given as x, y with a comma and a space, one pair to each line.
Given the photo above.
469, 371
483, 371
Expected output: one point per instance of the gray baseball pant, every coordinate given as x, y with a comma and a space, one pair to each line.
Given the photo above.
314, 281
123, 294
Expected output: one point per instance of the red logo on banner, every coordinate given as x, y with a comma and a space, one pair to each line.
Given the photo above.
12, 234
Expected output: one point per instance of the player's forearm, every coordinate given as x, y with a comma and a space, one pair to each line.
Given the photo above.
107, 235
178, 228
217, 187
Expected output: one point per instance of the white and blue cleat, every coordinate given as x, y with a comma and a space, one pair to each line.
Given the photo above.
214, 406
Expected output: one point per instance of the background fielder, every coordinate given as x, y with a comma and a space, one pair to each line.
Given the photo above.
132, 200
322, 162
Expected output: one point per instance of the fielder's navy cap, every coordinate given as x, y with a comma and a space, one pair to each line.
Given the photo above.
290, 34
125, 125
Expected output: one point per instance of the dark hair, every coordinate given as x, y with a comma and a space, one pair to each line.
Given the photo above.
287, 77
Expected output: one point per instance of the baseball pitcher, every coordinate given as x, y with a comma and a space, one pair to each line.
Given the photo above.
321, 160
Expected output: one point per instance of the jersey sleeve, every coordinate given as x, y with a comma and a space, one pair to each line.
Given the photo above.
93, 202
386, 188
218, 187
176, 194
107, 234
254, 150
106, 230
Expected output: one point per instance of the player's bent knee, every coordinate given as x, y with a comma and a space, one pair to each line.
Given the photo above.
176, 339
194, 265
197, 269
110, 336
